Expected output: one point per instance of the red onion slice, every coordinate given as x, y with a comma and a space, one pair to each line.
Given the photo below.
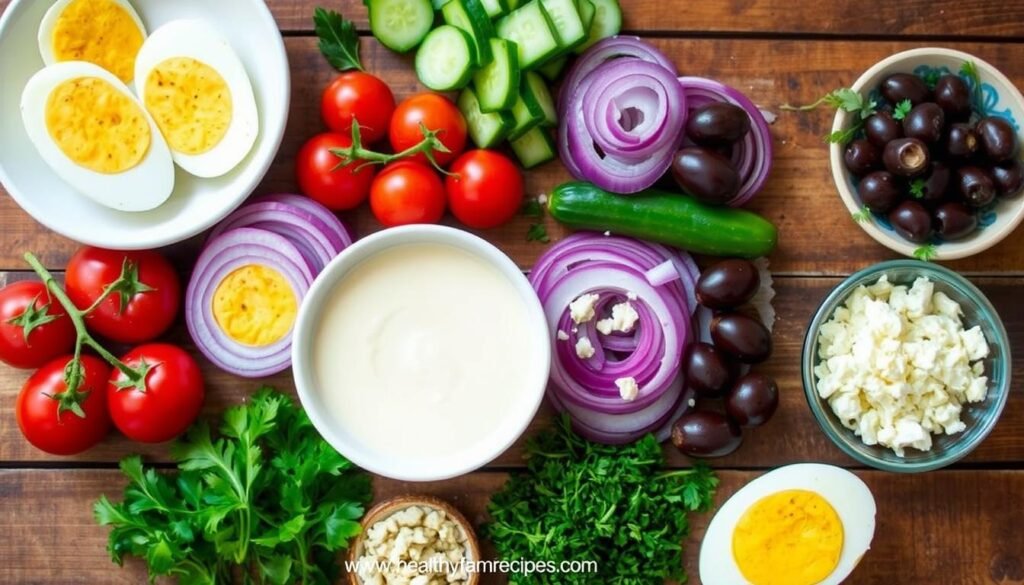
616, 47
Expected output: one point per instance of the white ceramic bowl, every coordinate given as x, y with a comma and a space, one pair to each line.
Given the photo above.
1001, 98
196, 204
476, 453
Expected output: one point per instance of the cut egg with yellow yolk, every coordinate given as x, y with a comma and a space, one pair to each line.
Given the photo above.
198, 92
805, 524
108, 33
96, 136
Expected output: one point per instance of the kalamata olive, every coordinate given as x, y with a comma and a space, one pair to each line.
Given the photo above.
954, 220
717, 124
708, 371
862, 156
976, 186
706, 433
912, 221
881, 128
1009, 178
936, 182
752, 400
879, 191
705, 174
998, 140
953, 96
925, 122
904, 86
743, 337
728, 284
961, 141
906, 157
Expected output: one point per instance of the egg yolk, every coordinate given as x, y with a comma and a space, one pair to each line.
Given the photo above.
793, 537
255, 306
96, 125
191, 104
100, 32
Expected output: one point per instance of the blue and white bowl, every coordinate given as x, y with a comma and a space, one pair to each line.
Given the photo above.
999, 97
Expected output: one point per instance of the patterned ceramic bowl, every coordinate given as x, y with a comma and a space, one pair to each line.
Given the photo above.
998, 97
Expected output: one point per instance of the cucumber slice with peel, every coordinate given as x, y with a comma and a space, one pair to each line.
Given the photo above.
497, 84
444, 60
400, 25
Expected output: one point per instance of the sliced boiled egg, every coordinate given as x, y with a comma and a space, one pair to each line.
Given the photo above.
196, 88
108, 33
95, 135
805, 524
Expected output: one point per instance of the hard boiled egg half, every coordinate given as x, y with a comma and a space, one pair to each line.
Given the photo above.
95, 135
194, 85
805, 524
108, 33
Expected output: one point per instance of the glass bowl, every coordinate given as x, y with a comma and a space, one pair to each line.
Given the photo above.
980, 417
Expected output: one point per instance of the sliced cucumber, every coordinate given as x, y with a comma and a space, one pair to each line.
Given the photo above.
495, 8
439, 3
587, 10
471, 17
400, 25
527, 117
486, 129
553, 68
565, 19
530, 29
534, 148
536, 91
607, 22
497, 84
445, 59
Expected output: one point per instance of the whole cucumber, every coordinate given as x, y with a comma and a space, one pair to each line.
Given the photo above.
660, 216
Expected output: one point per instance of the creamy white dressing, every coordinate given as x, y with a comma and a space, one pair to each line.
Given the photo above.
422, 350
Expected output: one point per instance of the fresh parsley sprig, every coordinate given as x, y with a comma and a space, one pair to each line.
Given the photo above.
339, 41
844, 99
926, 253
901, 110
969, 69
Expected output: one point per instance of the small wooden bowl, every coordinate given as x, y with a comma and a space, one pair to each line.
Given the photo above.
389, 507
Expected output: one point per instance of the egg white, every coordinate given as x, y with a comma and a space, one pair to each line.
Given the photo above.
50, 21
848, 495
200, 41
143, 187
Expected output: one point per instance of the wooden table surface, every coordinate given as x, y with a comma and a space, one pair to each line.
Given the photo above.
957, 526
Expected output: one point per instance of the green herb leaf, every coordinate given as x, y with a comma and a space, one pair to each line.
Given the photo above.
901, 110
339, 41
970, 70
532, 208
537, 232
931, 79
861, 215
917, 188
844, 136
926, 253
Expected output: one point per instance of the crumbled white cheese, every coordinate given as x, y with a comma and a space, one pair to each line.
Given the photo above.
582, 309
623, 318
562, 335
691, 403
628, 388
584, 348
631, 295
608, 233
414, 546
897, 365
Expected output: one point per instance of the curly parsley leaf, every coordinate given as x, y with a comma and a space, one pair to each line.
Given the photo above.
926, 253
537, 232
901, 110
339, 41
931, 78
861, 215
844, 136
917, 188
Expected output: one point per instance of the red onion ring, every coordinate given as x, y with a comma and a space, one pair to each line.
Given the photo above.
339, 233
616, 47
303, 230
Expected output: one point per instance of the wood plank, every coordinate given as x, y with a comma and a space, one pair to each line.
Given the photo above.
817, 235
941, 527
792, 435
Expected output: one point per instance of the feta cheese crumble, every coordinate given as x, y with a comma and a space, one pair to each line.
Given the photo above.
897, 365
584, 348
562, 335
623, 318
417, 545
628, 388
582, 309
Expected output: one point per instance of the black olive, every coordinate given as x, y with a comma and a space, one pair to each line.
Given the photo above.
953, 96
912, 221
925, 122
862, 156
954, 220
881, 128
706, 433
705, 174
961, 141
936, 182
753, 400
879, 191
743, 337
998, 140
708, 371
1009, 178
976, 186
906, 157
717, 124
728, 284
904, 86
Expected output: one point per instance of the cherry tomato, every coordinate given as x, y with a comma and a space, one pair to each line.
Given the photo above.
361, 96
407, 192
28, 306
61, 431
169, 401
319, 177
438, 114
145, 279
485, 189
